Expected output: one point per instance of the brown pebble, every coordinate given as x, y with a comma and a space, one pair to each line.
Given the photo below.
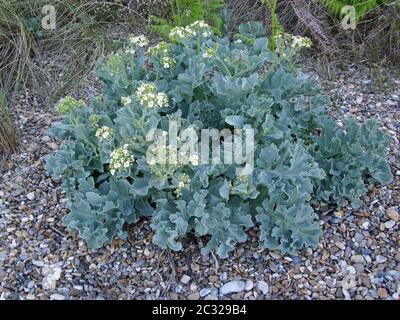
213, 278
382, 293
392, 214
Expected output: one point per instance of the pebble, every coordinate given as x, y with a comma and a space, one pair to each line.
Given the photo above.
340, 245
56, 296
38, 263
31, 196
382, 293
380, 259
357, 258
223, 276
232, 287
392, 214
178, 288
275, 255
213, 278
358, 237
30, 285
359, 267
249, 285
390, 224
346, 294
193, 287
185, 279
194, 296
349, 282
204, 292
351, 270
263, 287
395, 274
23, 256
391, 103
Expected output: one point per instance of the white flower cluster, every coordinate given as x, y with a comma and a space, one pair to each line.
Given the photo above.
161, 154
149, 97
167, 62
178, 33
162, 51
130, 51
183, 183
121, 159
192, 158
94, 120
140, 41
294, 42
210, 52
104, 133
126, 100
301, 42
195, 29
114, 64
201, 27
158, 155
68, 103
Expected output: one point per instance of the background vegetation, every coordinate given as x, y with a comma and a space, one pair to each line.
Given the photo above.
84, 32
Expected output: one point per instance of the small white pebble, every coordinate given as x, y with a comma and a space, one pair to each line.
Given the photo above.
31, 196
390, 224
185, 279
263, 287
57, 296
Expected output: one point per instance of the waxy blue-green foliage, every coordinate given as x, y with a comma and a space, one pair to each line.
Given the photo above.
301, 155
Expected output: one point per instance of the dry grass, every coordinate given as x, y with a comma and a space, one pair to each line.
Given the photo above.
80, 38
25, 47
8, 133
245, 11
375, 38
15, 46
74, 46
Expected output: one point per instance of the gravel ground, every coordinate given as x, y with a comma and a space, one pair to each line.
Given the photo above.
357, 258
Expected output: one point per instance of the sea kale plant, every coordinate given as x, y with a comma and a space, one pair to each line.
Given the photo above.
109, 160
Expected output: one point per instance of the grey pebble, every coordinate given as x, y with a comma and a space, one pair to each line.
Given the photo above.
232, 287
380, 259
204, 292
